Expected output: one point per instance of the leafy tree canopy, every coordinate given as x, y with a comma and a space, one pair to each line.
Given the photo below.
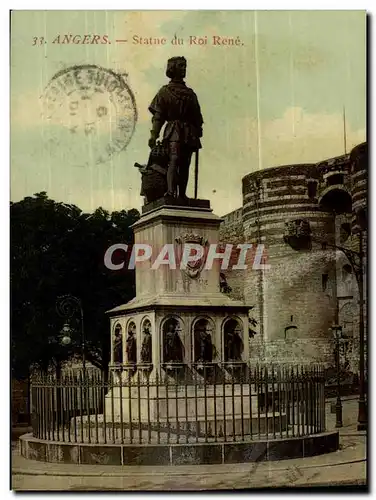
56, 249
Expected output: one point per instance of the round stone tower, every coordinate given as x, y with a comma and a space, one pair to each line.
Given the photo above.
359, 176
295, 298
359, 229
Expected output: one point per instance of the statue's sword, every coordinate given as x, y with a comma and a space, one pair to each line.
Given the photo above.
196, 172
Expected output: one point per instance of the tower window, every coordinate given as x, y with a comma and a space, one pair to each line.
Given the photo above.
335, 179
312, 189
324, 281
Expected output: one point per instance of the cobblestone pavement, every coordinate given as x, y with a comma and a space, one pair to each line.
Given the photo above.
345, 466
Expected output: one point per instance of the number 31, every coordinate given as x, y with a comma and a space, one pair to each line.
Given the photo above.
36, 42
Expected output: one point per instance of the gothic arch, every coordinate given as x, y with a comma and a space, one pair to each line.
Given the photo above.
232, 317
117, 325
129, 322
144, 320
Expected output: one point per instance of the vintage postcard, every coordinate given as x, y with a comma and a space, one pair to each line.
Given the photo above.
189, 242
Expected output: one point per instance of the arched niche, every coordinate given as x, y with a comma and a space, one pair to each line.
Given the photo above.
131, 342
233, 344
146, 348
203, 347
172, 345
118, 344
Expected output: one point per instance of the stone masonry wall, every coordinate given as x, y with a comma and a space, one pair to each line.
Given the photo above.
231, 231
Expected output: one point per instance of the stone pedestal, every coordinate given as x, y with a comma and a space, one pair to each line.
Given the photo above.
186, 297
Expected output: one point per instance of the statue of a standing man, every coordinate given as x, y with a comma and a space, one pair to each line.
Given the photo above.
178, 107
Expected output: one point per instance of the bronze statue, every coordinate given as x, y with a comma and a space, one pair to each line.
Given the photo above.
146, 345
177, 106
131, 346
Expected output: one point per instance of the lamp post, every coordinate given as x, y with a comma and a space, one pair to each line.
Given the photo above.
67, 306
337, 334
362, 410
356, 261
293, 230
65, 334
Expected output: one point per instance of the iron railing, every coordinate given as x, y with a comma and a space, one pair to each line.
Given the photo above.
179, 404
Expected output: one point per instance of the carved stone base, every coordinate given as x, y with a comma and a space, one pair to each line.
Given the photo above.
201, 366
171, 366
145, 367
175, 202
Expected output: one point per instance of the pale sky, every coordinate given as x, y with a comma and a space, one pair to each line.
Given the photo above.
275, 100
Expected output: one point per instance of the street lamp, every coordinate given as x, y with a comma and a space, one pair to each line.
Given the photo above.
356, 261
295, 235
337, 334
67, 306
65, 333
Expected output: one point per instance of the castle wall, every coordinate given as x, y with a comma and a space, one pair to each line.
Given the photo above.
231, 231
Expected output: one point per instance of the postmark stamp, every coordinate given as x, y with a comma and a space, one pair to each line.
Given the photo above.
89, 114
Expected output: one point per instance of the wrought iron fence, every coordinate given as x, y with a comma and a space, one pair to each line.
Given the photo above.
194, 403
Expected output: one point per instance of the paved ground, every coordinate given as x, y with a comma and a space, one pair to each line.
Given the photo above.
347, 466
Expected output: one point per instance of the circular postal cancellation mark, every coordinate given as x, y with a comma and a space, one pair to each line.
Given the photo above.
89, 114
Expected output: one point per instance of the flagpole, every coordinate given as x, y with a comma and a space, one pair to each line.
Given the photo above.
344, 130
257, 93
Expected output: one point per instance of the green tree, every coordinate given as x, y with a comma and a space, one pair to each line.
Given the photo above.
56, 249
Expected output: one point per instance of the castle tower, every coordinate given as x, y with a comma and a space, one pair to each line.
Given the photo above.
359, 180
295, 298
359, 230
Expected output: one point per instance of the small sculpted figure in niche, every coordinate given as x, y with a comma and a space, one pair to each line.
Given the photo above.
233, 342
173, 352
131, 344
237, 344
118, 346
146, 344
206, 346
